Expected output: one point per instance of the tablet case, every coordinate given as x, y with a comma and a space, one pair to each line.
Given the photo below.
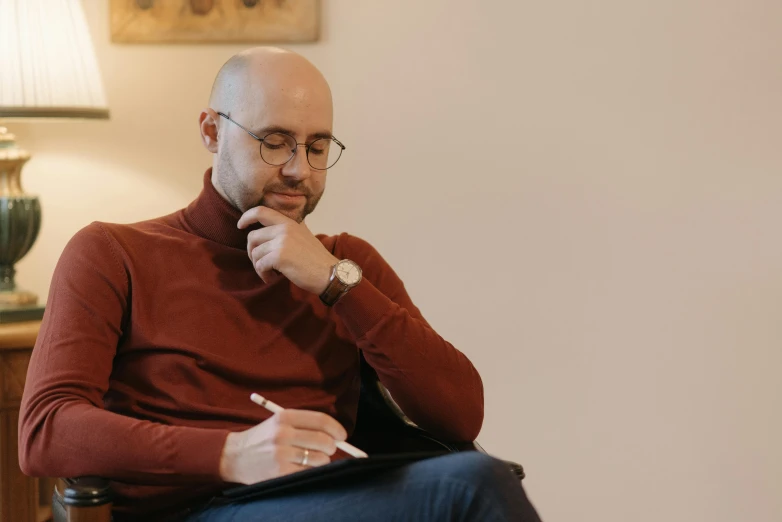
334, 474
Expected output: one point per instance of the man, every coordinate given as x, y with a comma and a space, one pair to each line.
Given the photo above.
157, 333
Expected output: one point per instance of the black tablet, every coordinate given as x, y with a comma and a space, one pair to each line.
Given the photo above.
334, 474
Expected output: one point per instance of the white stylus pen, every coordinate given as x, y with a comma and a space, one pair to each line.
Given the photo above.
276, 408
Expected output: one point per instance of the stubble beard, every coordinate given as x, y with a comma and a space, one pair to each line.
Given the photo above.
238, 193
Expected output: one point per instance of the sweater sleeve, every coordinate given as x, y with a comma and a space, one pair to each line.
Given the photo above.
433, 382
64, 430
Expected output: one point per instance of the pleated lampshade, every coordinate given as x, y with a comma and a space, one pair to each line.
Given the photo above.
47, 62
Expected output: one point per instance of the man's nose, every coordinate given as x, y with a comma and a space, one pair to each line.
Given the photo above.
298, 167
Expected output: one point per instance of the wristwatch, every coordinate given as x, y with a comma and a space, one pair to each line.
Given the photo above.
344, 275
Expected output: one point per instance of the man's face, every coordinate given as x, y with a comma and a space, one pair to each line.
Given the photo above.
293, 188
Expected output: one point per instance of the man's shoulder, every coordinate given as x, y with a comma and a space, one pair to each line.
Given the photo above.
115, 240
121, 232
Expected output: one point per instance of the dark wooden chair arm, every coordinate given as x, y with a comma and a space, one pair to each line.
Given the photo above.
82, 499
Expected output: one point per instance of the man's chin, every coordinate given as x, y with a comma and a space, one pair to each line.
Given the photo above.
295, 210
296, 214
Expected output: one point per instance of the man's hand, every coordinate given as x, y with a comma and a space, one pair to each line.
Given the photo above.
276, 446
287, 247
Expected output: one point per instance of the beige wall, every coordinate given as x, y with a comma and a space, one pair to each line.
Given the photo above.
610, 261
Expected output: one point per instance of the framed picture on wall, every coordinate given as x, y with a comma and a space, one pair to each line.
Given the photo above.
214, 21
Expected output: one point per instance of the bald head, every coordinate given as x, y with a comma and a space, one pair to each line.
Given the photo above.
254, 74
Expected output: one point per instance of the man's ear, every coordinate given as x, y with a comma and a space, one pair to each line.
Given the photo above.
207, 121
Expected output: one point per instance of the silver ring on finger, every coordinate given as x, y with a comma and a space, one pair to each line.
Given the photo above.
306, 457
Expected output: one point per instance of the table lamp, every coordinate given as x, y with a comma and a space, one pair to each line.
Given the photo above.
48, 69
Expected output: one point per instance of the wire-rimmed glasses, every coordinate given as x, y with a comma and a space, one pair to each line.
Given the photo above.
278, 148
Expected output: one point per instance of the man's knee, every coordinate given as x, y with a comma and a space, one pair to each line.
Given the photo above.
477, 469
476, 486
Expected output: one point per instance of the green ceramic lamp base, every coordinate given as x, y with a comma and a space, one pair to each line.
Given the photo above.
20, 221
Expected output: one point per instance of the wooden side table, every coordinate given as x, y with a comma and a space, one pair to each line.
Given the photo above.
22, 498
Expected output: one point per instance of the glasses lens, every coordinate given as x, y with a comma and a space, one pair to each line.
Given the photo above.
323, 154
276, 149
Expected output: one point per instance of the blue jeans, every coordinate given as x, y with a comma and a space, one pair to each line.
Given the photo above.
466, 486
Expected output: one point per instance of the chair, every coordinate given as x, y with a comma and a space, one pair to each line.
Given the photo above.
381, 427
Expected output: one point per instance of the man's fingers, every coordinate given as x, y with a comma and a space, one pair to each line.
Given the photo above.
316, 441
313, 420
264, 215
261, 250
269, 276
315, 457
290, 467
295, 455
261, 236
265, 266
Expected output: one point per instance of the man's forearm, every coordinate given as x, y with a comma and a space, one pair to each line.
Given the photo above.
67, 438
434, 384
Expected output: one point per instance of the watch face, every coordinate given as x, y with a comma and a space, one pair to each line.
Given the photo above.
348, 272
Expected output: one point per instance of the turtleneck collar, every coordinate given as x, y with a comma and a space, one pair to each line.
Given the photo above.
212, 217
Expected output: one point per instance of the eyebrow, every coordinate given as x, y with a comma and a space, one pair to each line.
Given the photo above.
276, 128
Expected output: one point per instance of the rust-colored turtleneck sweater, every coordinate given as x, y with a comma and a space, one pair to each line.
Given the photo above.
156, 333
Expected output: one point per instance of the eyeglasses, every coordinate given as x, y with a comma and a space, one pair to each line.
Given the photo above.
278, 148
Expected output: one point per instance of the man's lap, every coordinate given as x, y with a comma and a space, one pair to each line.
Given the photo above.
452, 487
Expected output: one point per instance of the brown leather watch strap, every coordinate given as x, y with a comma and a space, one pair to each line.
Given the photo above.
333, 291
